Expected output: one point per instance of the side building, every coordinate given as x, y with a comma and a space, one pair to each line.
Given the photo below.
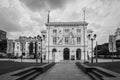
3, 42
117, 33
27, 47
10, 47
17, 48
2, 35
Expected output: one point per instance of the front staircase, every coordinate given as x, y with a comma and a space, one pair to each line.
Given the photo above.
32, 72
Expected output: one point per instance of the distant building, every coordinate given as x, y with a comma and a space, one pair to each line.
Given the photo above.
17, 48
26, 53
3, 41
2, 35
10, 46
117, 33
27, 47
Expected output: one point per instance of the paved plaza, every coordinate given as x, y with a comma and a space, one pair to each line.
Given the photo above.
64, 71
45, 61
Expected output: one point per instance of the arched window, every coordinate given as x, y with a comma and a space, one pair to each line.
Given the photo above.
54, 50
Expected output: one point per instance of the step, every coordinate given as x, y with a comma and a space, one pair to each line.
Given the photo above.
33, 76
43, 68
23, 71
25, 75
84, 67
98, 74
93, 76
106, 72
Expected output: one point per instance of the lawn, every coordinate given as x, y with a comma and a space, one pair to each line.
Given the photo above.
113, 66
9, 66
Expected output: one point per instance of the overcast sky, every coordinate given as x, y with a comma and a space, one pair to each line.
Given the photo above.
28, 17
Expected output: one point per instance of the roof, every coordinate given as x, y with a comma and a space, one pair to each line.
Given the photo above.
67, 24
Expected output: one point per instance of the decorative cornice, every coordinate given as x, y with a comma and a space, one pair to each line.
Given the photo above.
57, 24
66, 46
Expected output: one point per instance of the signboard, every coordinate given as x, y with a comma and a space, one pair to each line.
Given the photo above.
112, 43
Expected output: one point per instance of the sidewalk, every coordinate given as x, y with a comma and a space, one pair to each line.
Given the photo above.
64, 71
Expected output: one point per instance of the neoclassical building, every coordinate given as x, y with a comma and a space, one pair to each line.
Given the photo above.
66, 41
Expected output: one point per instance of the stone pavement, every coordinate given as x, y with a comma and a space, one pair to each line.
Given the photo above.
64, 71
45, 61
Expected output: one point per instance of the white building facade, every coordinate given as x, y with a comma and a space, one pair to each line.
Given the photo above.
10, 46
117, 33
17, 48
66, 41
25, 47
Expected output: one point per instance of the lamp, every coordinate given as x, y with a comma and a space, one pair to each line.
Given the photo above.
92, 38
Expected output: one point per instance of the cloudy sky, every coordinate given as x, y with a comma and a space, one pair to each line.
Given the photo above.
27, 17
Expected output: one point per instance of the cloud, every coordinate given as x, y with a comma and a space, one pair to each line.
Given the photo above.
28, 17
16, 19
9, 19
94, 26
36, 5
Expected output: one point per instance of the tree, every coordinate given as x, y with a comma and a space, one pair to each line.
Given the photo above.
102, 50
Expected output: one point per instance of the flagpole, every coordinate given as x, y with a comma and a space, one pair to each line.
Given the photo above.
48, 35
84, 32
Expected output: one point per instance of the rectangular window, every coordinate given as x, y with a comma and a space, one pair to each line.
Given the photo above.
54, 40
54, 31
17, 47
39, 47
17, 43
78, 30
66, 30
66, 40
78, 40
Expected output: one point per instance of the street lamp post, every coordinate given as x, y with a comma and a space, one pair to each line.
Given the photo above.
36, 51
96, 53
84, 34
41, 52
40, 39
13, 49
92, 39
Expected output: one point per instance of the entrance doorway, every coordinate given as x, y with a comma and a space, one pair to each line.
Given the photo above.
53, 54
78, 54
66, 54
